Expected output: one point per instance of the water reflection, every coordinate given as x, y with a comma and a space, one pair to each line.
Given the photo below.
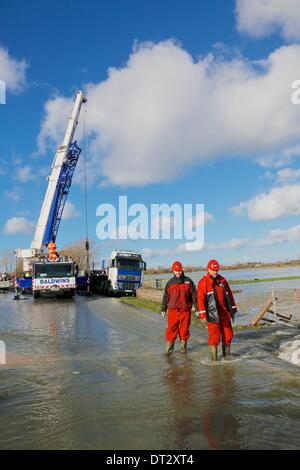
180, 380
220, 423
296, 304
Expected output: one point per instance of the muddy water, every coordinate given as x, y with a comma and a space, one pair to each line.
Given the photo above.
90, 374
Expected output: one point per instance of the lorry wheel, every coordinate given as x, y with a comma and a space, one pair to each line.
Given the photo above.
36, 295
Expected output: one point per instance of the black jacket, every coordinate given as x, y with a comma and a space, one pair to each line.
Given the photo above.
180, 293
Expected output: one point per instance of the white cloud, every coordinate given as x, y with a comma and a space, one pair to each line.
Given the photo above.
70, 211
13, 194
260, 18
194, 221
273, 237
278, 202
278, 236
17, 225
164, 112
288, 175
208, 217
25, 174
12, 71
233, 244
54, 124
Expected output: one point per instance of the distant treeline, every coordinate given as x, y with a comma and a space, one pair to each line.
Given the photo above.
250, 265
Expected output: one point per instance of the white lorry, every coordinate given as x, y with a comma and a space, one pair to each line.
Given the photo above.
4, 282
124, 275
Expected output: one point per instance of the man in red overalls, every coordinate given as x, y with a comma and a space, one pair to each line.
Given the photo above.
179, 296
217, 307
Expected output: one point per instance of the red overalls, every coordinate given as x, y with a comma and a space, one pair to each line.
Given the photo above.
179, 296
211, 296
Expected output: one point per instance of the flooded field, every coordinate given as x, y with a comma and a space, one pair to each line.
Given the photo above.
90, 373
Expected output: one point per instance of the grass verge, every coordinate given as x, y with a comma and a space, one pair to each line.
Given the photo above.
155, 307
268, 279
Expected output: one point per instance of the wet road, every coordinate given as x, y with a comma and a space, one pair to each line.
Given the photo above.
91, 374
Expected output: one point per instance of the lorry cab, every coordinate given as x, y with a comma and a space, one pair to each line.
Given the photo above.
54, 278
4, 282
126, 271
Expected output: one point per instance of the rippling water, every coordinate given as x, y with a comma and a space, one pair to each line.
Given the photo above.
91, 374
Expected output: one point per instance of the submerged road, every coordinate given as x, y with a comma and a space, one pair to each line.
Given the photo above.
90, 373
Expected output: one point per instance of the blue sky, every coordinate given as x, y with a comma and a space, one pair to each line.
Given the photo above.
188, 102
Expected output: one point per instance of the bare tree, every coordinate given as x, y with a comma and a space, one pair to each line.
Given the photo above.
77, 251
7, 261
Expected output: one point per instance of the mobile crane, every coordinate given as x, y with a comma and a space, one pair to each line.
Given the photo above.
45, 271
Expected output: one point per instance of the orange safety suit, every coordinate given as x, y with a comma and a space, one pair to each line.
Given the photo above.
179, 296
216, 304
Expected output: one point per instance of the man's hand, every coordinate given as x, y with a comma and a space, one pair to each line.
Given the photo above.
202, 320
163, 314
233, 314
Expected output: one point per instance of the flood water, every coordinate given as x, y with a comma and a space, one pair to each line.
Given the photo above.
90, 373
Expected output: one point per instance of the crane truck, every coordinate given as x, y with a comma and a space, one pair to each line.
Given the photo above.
46, 271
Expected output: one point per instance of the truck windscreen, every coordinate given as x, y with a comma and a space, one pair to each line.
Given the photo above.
126, 263
43, 270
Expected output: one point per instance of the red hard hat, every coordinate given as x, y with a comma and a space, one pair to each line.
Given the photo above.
177, 266
213, 265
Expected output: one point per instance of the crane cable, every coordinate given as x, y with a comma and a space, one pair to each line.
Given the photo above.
87, 244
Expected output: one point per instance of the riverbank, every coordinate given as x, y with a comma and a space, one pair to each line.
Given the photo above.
150, 283
268, 279
251, 265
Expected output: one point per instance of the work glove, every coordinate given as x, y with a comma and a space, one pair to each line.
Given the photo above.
233, 316
202, 320
163, 314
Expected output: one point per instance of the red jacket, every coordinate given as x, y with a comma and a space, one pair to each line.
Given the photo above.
179, 294
215, 298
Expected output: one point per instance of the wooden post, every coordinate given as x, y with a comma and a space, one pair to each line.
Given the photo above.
262, 312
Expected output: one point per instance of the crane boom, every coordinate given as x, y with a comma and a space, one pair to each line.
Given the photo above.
59, 182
